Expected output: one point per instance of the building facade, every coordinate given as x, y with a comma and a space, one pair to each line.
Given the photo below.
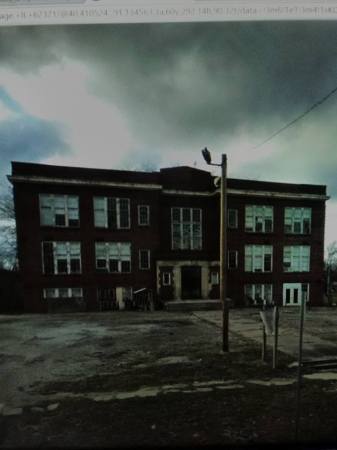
93, 237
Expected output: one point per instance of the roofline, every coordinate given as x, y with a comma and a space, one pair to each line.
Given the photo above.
152, 186
67, 181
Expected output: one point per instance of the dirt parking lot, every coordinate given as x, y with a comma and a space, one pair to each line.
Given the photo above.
147, 379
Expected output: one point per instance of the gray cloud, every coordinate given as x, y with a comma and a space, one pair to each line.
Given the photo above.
190, 85
28, 139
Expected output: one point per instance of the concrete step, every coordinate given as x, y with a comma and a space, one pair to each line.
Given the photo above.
193, 305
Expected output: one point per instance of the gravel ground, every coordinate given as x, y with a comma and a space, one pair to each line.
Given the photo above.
157, 379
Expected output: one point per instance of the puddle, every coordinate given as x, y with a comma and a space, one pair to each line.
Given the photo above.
212, 382
325, 376
173, 360
231, 386
273, 382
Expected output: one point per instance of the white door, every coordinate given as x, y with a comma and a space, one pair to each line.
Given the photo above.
292, 293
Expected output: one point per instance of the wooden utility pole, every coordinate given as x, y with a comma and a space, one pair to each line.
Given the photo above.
223, 254
223, 244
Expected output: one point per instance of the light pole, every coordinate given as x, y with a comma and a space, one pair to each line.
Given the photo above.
223, 243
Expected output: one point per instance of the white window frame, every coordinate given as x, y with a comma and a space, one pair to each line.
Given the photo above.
256, 252
66, 207
302, 288
236, 259
148, 259
68, 257
190, 224
215, 278
255, 287
169, 275
147, 223
235, 211
303, 254
296, 215
57, 292
105, 212
261, 217
119, 256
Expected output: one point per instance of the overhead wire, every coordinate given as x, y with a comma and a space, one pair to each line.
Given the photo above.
315, 105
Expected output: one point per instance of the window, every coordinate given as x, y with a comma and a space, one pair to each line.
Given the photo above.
144, 259
258, 294
61, 257
59, 210
297, 220
258, 258
63, 293
166, 278
259, 218
111, 212
232, 218
113, 257
232, 259
296, 258
214, 277
186, 228
106, 293
143, 215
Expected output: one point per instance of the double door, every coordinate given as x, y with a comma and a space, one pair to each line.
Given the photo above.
293, 292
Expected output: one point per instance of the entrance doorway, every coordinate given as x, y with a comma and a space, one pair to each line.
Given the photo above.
292, 293
190, 282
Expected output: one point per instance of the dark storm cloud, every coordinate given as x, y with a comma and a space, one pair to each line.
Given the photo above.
210, 78
194, 84
194, 78
26, 138
21, 48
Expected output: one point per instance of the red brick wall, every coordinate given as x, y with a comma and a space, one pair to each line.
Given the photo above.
157, 238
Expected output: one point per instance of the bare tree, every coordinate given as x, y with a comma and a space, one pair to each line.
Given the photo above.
8, 247
330, 264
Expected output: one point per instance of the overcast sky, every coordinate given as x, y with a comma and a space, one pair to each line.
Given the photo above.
153, 95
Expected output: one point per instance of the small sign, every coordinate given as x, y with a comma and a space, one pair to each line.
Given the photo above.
268, 321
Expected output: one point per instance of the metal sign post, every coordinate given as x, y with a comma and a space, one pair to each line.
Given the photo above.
299, 370
275, 343
270, 320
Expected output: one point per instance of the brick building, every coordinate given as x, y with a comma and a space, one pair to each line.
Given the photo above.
93, 237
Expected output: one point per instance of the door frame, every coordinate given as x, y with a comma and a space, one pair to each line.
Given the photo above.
294, 286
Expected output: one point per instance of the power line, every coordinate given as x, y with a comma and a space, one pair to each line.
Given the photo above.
315, 105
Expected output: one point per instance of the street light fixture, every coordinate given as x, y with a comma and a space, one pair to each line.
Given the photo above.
223, 243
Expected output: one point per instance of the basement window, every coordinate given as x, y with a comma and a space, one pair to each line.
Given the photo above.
259, 294
74, 292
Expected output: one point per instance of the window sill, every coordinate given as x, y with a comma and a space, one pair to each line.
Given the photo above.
260, 232
297, 234
112, 229
62, 274
106, 272
62, 227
